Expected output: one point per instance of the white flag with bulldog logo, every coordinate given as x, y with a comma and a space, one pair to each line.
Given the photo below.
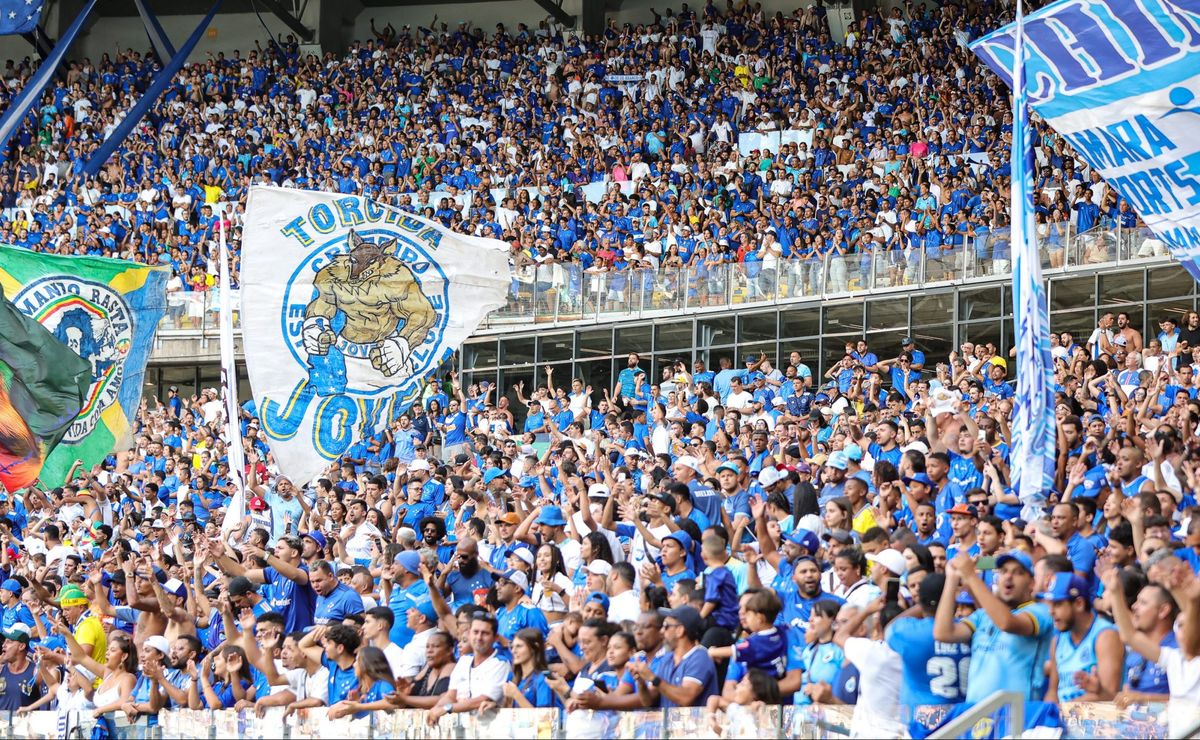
347, 306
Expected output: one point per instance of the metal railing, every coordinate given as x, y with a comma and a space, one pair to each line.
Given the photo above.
565, 293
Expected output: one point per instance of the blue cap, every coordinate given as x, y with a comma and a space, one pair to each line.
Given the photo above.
599, 597
820, 398
551, 516
1018, 556
493, 474
316, 537
527, 481
1067, 587
12, 585
964, 597
731, 466
410, 561
755, 376
920, 478
854, 452
806, 539
683, 538
426, 608
837, 460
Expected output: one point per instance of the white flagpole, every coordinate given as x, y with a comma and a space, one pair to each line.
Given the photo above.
233, 429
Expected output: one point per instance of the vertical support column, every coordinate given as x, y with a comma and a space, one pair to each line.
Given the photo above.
592, 18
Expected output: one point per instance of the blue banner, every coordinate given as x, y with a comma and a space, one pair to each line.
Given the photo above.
19, 16
29, 96
160, 84
1033, 431
1120, 80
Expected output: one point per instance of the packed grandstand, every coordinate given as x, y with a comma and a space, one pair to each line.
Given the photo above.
759, 532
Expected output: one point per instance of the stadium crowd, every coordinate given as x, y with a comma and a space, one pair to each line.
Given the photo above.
717, 537
902, 144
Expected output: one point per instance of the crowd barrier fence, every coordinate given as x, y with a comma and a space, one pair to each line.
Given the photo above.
563, 293
1081, 719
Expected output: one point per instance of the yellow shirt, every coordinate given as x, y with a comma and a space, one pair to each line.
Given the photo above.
864, 520
90, 631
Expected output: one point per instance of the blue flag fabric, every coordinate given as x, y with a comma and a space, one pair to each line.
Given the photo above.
20, 16
156, 89
29, 96
1033, 421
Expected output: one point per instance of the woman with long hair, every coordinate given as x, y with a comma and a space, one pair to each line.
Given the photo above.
526, 687
821, 658
593, 546
375, 684
224, 678
117, 674
552, 588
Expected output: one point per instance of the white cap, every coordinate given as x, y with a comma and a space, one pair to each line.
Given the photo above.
528, 450
891, 559
918, 445
688, 461
420, 464
598, 490
525, 554
769, 476
159, 643
518, 578
599, 567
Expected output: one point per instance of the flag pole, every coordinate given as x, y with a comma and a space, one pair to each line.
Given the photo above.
233, 428
1033, 429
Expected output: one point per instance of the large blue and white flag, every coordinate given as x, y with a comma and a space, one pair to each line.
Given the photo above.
1033, 432
348, 305
1120, 80
19, 16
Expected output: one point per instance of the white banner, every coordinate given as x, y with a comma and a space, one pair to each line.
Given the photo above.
347, 306
233, 426
1120, 82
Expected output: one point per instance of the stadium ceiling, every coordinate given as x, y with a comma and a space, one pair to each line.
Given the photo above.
289, 11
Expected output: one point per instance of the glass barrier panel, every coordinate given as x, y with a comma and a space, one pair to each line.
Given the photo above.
314, 724
1142, 244
815, 721
1102, 719
736, 721
940, 264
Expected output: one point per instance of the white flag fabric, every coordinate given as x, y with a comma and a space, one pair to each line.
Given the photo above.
233, 427
347, 306
1033, 427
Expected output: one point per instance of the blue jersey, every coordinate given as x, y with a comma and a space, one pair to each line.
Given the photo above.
822, 662
1001, 661
720, 589
512, 621
706, 500
1071, 658
934, 672
295, 601
1146, 675
766, 650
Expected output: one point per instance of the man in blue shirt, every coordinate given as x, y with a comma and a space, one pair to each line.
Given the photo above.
689, 676
335, 600
1009, 633
934, 672
465, 576
513, 616
404, 589
285, 580
626, 378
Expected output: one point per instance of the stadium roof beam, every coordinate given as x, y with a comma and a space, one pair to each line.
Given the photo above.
289, 20
555, 9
